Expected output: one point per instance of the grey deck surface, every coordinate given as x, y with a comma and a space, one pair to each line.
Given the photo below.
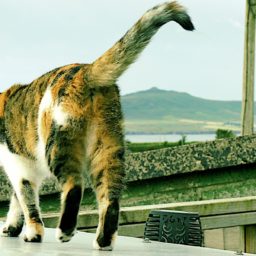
81, 244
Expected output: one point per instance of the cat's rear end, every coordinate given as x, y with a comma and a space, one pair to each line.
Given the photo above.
69, 123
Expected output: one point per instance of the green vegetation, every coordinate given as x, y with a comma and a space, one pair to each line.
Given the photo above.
139, 147
145, 146
224, 134
183, 139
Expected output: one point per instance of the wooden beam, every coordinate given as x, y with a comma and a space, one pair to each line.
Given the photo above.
228, 220
248, 77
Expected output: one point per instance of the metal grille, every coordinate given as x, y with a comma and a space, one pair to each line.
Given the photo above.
174, 227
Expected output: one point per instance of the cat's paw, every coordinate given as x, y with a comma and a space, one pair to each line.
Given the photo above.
35, 239
104, 248
63, 237
100, 243
34, 233
10, 230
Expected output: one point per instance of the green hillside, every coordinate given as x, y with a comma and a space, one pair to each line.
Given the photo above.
161, 111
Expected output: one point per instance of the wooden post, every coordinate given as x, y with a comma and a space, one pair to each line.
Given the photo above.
248, 77
250, 241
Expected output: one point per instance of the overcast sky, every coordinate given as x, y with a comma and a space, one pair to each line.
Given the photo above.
39, 35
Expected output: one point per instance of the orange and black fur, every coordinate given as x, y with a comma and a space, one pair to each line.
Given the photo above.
68, 122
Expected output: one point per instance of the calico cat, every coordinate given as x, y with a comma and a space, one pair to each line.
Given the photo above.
68, 123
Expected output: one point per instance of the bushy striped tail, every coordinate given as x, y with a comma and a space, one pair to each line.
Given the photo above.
106, 69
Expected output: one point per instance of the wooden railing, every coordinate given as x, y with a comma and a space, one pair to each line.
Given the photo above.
227, 223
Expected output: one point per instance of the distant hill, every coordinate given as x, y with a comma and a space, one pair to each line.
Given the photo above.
161, 111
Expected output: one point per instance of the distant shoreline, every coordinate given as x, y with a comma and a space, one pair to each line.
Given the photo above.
175, 133
159, 138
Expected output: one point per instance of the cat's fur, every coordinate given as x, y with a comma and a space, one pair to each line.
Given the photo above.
68, 122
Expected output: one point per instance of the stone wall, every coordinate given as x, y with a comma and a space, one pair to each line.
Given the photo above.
191, 159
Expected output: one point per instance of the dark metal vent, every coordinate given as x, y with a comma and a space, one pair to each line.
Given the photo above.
174, 227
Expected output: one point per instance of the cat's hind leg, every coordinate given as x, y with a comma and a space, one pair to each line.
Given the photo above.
108, 221
107, 174
65, 158
72, 192
14, 222
105, 152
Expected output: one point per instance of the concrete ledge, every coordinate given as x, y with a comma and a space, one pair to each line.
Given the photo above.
189, 158
81, 245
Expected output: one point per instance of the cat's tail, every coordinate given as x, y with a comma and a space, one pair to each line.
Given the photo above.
106, 69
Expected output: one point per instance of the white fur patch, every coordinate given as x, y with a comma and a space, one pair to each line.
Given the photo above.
45, 105
46, 102
32, 233
14, 213
18, 168
41, 160
59, 115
